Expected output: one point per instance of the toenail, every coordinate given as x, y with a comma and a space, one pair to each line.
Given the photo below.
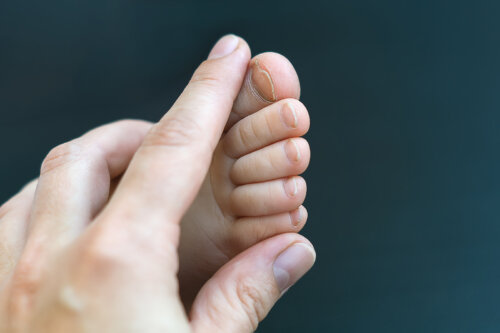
289, 116
296, 217
292, 151
291, 187
261, 82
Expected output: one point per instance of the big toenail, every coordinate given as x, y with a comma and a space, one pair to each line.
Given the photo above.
292, 151
296, 217
291, 187
289, 116
261, 82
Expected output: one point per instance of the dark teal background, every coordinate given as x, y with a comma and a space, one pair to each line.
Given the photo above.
404, 188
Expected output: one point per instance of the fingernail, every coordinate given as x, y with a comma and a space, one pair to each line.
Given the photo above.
223, 47
292, 264
289, 116
291, 186
261, 82
292, 151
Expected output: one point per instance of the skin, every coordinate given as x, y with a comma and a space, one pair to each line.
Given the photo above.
77, 259
244, 198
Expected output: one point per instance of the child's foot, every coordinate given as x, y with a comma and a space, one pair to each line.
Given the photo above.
252, 190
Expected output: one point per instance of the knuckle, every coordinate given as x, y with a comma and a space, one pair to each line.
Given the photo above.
204, 75
100, 256
108, 252
26, 282
60, 155
252, 300
174, 131
26, 279
100, 262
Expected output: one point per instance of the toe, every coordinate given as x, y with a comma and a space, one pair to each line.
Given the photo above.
251, 230
270, 77
282, 120
272, 197
282, 159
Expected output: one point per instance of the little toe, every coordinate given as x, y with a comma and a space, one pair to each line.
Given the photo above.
255, 229
282, 159
272, 197
285, 119
270, 77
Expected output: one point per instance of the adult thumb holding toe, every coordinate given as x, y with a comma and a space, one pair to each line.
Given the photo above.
244, 290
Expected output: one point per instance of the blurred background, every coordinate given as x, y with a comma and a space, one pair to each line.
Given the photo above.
404, 188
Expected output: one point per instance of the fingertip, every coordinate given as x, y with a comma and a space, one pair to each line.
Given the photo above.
229, 44
224, 46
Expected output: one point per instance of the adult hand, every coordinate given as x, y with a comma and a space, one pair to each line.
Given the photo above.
74, 258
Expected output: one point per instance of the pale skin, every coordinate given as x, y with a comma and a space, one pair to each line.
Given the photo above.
252, 190
79, 255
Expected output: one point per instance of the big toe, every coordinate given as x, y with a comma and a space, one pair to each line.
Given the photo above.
270, 77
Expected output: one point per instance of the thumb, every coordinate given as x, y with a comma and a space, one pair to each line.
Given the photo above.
244, 290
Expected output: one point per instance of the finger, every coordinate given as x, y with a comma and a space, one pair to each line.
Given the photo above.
14, 215
282, 120
282, 159
75, 177
168, 169
243, 291
272, 197
270, 77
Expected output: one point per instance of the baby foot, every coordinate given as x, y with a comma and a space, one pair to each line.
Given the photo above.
252, 190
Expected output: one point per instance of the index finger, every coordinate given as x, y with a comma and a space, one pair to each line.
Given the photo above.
167, 171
